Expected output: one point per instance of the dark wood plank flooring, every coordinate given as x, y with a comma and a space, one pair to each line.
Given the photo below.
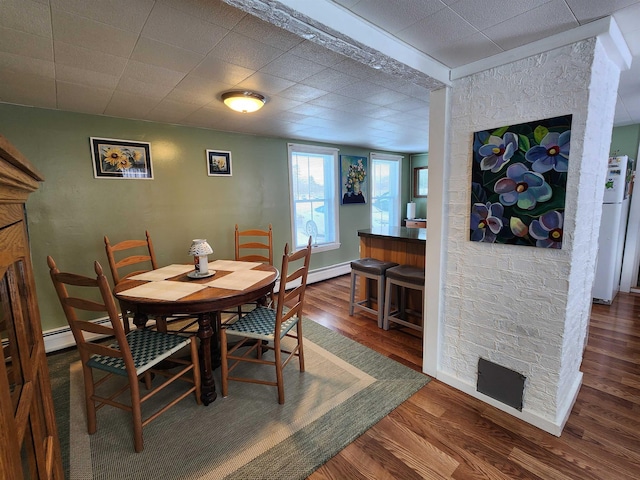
441, 433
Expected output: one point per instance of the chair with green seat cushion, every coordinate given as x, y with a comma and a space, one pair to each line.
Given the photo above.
132, 356
264, 328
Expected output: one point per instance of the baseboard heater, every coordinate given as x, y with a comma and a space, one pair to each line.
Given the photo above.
500, 383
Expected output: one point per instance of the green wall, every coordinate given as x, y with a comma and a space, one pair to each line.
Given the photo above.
419, 160
625, 141
72, 211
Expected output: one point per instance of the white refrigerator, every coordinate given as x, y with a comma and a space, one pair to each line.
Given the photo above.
613, 227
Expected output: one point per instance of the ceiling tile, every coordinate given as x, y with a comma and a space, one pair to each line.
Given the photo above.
26, 16
27, 89
331, 100
267, 33
80, 98
164, 55
316, 53
588, 10
292, 68
221, 71
197, 90
93, 35
551, 18
134, 86
170, 26
400, 16
126, 105
122, 14
244, 51
25, 44
88, 78
151, 74
437, 30
216, 12
329, 80
493, 12
265, 83
79, 57
301, 93
471, 48
386, 97
169, 111
24, 65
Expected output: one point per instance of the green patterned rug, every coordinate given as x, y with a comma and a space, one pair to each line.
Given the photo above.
345, 390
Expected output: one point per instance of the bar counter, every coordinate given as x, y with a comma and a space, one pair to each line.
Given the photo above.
406, 246
395, 244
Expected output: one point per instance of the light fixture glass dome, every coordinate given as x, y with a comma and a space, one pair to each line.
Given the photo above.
243, 101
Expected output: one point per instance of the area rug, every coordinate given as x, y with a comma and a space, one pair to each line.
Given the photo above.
345, 390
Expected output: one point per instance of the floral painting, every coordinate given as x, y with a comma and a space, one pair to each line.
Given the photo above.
121, 158
518, 185
353, 177
219, 163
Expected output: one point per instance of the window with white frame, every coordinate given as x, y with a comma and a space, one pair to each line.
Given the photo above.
314, 196
385, 189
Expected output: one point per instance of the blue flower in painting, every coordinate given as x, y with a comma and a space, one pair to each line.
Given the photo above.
547, 230
522, 186
551, 154
486, 221
498, 151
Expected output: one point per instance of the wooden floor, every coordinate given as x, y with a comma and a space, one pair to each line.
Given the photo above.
442, 433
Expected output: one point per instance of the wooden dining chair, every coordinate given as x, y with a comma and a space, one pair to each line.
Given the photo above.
264, 328
131, 356
128, 258
253, 245
131, 257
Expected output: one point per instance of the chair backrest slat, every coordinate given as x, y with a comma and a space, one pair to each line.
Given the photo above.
133, 258
294, 298
254, 245
71, 305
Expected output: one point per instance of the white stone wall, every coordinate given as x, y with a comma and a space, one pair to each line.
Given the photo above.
521, 307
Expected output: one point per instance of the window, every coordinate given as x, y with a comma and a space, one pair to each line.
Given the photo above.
385, 190
314, 196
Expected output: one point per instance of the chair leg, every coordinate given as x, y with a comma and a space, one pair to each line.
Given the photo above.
381, 301
353, 293
300, 348
136, 414
387, 305
89, 391
224, 367
279, 379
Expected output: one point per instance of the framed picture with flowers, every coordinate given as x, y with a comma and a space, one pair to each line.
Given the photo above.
353, 179
518, 184
114, 158
218, 163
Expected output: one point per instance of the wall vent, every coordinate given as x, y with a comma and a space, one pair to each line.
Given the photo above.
496, 381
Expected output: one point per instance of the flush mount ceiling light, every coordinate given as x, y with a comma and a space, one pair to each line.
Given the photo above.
243, 101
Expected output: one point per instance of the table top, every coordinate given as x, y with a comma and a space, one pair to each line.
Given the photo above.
199, 295
401, 233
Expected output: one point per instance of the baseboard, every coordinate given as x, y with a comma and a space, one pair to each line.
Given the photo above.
554, 428
61, 338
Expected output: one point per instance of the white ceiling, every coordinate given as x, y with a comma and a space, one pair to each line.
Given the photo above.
169, 60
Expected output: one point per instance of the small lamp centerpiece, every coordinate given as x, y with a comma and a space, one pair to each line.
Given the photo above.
200, 250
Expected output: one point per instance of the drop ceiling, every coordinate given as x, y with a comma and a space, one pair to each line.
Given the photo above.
170, 60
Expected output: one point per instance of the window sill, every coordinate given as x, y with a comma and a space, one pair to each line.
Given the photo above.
324, 248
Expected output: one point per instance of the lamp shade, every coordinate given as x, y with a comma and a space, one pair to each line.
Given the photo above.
199, 246
243, 101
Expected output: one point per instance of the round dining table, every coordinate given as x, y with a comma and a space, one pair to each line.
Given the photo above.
205, 304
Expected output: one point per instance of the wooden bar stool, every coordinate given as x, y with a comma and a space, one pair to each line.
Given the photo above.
403, 276
371, 269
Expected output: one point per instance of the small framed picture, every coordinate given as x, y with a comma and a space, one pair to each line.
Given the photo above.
218, 163
113, 158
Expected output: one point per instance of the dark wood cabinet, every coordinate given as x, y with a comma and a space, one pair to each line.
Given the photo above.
29, 445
